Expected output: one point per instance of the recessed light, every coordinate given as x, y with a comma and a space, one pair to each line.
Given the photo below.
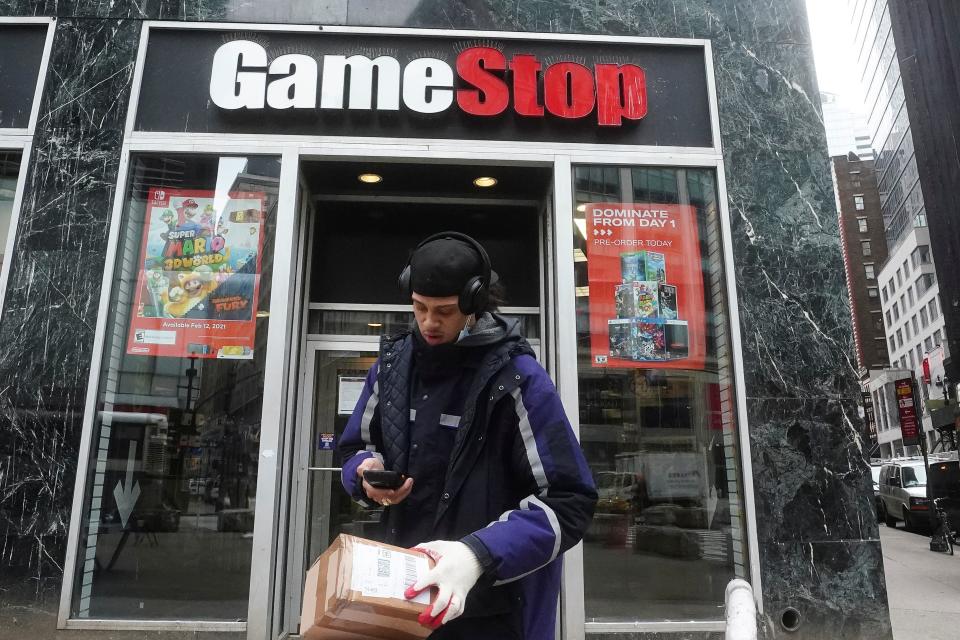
370, 178
485, 181
581, 207
263, 314
374, 325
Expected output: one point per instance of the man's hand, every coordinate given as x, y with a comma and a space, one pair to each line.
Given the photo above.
456, 572
386, 497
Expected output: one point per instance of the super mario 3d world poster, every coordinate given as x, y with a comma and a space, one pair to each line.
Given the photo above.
199, 277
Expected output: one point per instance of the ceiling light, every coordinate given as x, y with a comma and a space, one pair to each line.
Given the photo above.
263, 314
485, 181
370, 178
374, 325
582, 207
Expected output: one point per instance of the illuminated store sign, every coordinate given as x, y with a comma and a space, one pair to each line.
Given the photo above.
242, 78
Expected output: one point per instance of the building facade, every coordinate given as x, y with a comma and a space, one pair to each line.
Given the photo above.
864, 250
888, 120
913, 317
928, 57
186, 307
846, 128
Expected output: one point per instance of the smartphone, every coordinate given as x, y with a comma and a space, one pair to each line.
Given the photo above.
380, 479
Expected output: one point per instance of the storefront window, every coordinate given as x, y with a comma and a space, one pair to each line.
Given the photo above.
656, 397
170, 494
9, 172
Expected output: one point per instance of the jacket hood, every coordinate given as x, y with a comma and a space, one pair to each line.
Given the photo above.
491, 328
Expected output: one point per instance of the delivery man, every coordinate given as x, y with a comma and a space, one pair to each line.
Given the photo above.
494, 483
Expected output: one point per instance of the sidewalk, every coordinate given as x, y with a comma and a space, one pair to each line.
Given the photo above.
923, 587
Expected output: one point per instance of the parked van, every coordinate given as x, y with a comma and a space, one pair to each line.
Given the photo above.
903, 494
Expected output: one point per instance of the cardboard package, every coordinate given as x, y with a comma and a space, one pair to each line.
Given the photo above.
355, 590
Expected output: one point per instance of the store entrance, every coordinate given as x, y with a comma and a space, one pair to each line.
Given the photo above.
362, 220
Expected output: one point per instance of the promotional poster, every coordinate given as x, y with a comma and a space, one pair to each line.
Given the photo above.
646, 286
199, 277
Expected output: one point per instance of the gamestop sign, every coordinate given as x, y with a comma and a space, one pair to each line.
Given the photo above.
241, 79
425, 86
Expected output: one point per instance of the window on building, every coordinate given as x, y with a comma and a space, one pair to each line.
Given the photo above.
906, 329
906, 270
889, 319
899, 338
881, 344
937, 337
910, 295
934, 312
877, 320
9, 173
903, 362
928, 343
893, 344
623, 423
913, 363
896, 311
916, 325
855, 184
899, 277
919, 355
181, 421
883, 291
862, 223
868, 269
920, 255
924, 282
865, 247
924, 318
873, 292
921, 219
858, 202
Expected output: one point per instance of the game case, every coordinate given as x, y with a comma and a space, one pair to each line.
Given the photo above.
650, 342
625, 301
620, 332
668, 301
646, 295
632, 267
676, 339
655, 266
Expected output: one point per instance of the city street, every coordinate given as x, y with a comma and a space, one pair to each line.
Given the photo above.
923, 587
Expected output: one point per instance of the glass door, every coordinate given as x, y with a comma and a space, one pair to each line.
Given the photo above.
333, 376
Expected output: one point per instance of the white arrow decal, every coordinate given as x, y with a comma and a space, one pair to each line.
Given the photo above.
126, 496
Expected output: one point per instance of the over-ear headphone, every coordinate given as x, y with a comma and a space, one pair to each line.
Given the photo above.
475, 293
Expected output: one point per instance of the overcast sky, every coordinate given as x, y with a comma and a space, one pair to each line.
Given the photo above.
833, 50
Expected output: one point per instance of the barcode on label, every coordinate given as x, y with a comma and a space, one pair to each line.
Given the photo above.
409, 571
383, 568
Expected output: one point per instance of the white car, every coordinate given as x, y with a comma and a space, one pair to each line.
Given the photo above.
903, 494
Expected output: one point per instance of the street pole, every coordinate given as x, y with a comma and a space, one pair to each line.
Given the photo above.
923, 449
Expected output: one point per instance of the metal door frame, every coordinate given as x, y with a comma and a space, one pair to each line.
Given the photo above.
291, 565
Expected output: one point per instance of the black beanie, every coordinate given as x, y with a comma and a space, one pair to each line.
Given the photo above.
442, 267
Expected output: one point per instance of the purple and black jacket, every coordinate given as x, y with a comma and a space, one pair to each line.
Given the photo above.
517, 488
